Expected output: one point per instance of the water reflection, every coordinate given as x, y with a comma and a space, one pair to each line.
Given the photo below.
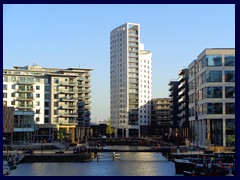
129, 164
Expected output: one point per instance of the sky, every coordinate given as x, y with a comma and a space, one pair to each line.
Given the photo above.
78, 35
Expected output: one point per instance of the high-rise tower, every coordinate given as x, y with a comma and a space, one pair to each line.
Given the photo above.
131, 81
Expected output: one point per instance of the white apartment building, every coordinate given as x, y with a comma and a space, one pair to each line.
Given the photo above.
59, 98
213, 95
130, 82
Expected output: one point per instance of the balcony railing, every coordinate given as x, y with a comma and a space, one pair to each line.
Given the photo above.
68, 83
23, 98
25, 106
25, 90
69, 114
25, 82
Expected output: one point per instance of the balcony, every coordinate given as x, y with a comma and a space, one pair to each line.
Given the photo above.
23, 98
68, 99
80, 84
68, 107
132, 39
87, 102
68, 115
25, 107
73, 121
133, 44
132, 34
67, 91
81, 97
133, 60
87, 96
25, 90
133, 55
25, 82
67, 83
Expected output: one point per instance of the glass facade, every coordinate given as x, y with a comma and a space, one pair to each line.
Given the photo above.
212, 60
229, 60
229, 92
212, 76
229, 76
212, 92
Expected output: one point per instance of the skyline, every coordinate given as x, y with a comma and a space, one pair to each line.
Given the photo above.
49, 34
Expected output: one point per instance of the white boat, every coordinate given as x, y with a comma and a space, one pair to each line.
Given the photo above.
6, 168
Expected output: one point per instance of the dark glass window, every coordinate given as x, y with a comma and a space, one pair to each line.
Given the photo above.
229, 92
229, 60
212, 76
230, 108
212, 92
229, 76
230, 132
214, 108
212, 60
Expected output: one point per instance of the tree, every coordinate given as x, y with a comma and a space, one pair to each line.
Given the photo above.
109, 129
62, 135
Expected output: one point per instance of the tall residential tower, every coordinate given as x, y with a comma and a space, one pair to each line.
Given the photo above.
131, 82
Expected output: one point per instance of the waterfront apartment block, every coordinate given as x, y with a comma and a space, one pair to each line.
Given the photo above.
130, 82
212, 95
161, 116
183, 100
174, 107
58, 98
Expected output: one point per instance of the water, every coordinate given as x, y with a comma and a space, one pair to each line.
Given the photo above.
129, 164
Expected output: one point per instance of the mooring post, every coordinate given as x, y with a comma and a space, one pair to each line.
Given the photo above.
113, 156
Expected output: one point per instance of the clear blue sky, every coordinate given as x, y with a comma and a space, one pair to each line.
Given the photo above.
65, 36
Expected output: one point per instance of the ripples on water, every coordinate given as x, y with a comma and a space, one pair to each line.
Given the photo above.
129, 164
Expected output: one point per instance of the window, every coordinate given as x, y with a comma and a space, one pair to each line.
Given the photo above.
4, 86
5, 79
46, 96
37, 79
13, 103
56, 80
230, 132
37, 95
47, 88
37, 111
55, 96
229, 76
229, 92
37, 103
212, 92
214, 108
37, 87
46, 120
13, 86
55, 104
230, 108
46, 104
46, 112
14, 79
229, 60
4, 95
12, 94
212, 76
55, 112
212, 60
